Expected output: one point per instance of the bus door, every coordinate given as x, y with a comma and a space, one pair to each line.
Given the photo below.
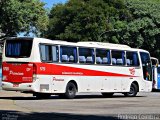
146, 67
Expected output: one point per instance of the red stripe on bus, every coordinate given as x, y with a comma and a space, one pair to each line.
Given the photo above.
54, 69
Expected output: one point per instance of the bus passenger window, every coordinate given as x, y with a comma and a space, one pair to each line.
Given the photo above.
86, 55
46, 53
99, 60
82, 59
102, 56
132, 59
118, 57
55, 54
68, 54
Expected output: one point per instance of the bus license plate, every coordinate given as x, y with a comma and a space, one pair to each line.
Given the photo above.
15, 85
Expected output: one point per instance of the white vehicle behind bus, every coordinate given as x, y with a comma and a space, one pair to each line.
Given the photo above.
44, 67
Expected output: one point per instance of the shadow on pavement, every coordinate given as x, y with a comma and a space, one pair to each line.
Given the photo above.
77, 97
102, 97
156, 90
16, 115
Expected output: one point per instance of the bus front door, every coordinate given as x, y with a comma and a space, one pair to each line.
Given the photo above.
147, 70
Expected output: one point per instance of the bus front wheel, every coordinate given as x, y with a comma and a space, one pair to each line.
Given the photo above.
133, 91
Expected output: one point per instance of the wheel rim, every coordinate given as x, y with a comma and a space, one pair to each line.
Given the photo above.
132, 90
71, 90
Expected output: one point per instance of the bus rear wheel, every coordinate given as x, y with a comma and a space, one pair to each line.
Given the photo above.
133, 91
107, 94
70, 91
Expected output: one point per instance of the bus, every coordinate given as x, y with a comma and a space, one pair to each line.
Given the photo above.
0, 77
0, 66
44, 67
156, 74
156, 78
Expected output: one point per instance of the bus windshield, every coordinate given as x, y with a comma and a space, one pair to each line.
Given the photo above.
18, 48
146, 64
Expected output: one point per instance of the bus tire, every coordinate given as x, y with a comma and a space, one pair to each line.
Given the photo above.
70, 91
133, 91
107, 94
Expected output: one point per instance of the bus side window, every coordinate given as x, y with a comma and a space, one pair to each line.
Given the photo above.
55, 53
103, 56
86, 55
132, 59
68, 54
118, 57
46, 53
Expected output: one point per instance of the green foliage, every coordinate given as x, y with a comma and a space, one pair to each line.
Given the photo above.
144, 26
22, 16
84, 20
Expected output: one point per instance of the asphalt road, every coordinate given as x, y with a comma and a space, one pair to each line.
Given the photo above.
19, 106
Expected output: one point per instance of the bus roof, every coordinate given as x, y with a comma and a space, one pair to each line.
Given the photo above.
104, 44
92, 44
82, 44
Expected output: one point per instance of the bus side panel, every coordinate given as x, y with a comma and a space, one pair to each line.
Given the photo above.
158, 81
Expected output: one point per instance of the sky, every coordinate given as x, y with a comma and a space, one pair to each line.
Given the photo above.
49, 3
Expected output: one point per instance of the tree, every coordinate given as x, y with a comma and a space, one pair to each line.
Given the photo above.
84, 20
147, 20
143, 29
22, 16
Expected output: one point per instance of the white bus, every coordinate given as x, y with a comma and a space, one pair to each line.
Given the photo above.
156, 74
156, 78
44, 67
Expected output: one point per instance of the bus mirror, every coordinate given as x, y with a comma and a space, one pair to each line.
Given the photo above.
148, 62
155, 61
